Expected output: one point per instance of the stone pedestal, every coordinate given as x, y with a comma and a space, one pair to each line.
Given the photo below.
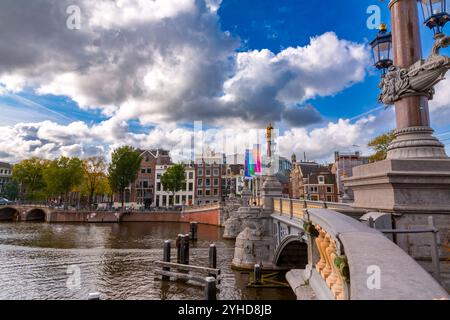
271, 189
411, 189
403, 185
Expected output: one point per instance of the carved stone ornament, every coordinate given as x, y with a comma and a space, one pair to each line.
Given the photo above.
417, 80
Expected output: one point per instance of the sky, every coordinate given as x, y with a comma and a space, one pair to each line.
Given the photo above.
142, 72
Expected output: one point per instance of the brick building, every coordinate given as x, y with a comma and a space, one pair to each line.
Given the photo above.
312, 181
343, 167
141, 193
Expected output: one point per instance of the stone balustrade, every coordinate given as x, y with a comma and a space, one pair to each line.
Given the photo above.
350, 261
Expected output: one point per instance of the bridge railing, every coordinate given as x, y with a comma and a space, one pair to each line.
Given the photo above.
296, 208
347, 260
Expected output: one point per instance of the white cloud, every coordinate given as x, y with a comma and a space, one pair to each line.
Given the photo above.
167, 61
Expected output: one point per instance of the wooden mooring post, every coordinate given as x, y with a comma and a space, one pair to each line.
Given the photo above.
212, 257
210, 289
178, 244
186, 249
194, 231
166, 258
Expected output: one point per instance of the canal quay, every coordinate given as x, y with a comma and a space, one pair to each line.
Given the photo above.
37, 261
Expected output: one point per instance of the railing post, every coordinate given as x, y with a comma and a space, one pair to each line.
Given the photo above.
291, 209
434, 249
305, 204
166, 258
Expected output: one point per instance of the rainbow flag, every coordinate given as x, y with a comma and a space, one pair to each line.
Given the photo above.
257, 159
247, 164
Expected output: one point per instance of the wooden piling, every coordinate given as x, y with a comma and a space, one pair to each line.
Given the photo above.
210, 289
194, 231
212, 257
166, 258
186, 249
258, 274
178, 244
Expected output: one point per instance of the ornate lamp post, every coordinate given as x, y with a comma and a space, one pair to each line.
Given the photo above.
435, 14
415, 177
409, 81
382, 49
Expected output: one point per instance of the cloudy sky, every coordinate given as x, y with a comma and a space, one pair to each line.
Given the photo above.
141, 72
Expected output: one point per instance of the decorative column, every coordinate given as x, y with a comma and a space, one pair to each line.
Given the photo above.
414, 181
413, 134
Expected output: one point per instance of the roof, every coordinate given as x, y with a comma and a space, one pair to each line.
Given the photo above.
312, 171
5, 165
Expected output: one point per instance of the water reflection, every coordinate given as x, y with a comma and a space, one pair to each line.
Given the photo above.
114, 259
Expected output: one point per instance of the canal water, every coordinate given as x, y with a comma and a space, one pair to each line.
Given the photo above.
68, 261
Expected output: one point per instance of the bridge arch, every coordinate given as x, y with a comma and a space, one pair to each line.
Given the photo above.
9, 214
36, 214
292, 253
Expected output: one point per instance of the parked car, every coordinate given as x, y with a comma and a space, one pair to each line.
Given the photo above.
4, 202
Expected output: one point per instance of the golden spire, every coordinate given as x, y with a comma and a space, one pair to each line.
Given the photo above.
269, 132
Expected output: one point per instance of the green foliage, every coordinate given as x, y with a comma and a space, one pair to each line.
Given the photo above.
29, 173
174, 179
124, 167
380, 144
94, 170
63, 175
11, 190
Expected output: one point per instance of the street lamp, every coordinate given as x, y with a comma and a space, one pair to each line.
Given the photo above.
435, 14
382, 49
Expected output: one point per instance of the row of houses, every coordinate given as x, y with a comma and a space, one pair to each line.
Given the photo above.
208, 180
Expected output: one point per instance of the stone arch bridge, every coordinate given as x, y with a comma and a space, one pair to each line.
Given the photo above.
329, 253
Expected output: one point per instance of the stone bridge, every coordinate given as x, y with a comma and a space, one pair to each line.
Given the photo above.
212, 214
329, 253
18, 213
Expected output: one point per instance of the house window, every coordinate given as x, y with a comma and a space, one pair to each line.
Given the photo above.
200, 172
158, 186
191, 175
216, 182
208, 193
158, 176
208, 182
145, 184
216, 192
321, 179
142, 170
330, 189
208, 172
149, 170
199, 193
216, 172
200, 182
191, 186
330, 198
183, 199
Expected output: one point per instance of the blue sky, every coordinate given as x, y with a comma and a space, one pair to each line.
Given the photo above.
243, 27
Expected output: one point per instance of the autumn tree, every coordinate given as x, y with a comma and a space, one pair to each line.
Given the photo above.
380, 144
95, 169
29, 173
63, 175
124, 167
174, 179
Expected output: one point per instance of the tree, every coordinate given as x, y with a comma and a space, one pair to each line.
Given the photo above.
380, 144
124, 167
63, 175
174, 179
29, 173
11, 190
94, 171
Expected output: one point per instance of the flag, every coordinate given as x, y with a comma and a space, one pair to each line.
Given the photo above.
246, 165
257, 158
